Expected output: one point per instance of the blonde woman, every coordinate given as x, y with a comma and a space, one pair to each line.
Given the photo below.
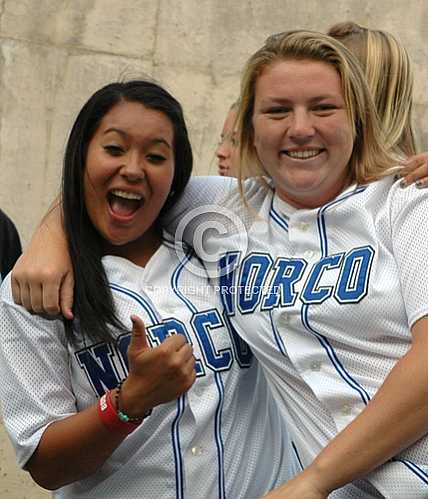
227, 151
389, 74
330, 292
342, 331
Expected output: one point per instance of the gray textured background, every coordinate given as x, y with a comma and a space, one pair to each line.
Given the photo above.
55, 53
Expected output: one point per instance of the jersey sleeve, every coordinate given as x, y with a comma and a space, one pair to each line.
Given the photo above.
212, 216
35, 388
199, 192
409, 228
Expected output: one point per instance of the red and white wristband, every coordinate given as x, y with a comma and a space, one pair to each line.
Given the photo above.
114, 420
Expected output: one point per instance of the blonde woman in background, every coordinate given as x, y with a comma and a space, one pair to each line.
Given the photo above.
227, 149
387, 67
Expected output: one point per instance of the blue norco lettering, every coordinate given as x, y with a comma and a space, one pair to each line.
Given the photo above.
242, 351
342, 276
354, 278
99, 366
313, 292
227, 266
288, 271
203, 323
255, 269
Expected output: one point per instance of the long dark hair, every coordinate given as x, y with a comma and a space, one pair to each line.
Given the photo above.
93, 301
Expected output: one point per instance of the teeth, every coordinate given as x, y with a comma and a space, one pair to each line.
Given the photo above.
303, 154
126, 195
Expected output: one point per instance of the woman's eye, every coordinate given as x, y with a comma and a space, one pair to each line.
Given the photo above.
156, 158
324, 108
114, 150
278, 110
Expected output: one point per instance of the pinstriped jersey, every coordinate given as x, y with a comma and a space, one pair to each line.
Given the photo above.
222, 439
326, 299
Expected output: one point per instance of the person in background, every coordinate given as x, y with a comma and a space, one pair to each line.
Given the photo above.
388, 70
227, 149
10, 245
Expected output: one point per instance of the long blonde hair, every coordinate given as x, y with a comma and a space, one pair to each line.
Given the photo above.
370, 158
389, 74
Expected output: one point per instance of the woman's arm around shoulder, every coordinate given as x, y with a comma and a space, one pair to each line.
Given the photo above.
42, 279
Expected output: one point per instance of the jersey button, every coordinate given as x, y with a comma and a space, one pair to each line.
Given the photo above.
304, 226
316, 366
196, 451
308, 254
284, 319
346, 409
198, 390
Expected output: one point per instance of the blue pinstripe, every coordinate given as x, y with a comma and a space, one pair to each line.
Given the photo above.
217, 376
297, 455
181, 402
419, 472
277, 217
322, 231
276, 335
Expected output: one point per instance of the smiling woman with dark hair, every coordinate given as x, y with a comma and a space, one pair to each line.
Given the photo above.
81, 198
97, 411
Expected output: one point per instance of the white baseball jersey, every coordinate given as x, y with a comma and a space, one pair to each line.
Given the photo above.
222, 439
326, 299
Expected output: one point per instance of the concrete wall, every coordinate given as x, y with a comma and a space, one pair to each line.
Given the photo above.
55, 53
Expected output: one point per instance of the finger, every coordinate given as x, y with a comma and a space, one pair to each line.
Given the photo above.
138, 337
174, 343
26, 297
416, 158
36, 297
66, 296
183, 357
422, 183
414, 163
411, 161
16, 290
406, 170
50, 296
191, 365
419, 175
186, 353
189, 374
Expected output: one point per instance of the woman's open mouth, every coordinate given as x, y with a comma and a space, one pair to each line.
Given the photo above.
124, 204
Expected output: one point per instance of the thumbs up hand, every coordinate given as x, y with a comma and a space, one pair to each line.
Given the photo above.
156, 375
